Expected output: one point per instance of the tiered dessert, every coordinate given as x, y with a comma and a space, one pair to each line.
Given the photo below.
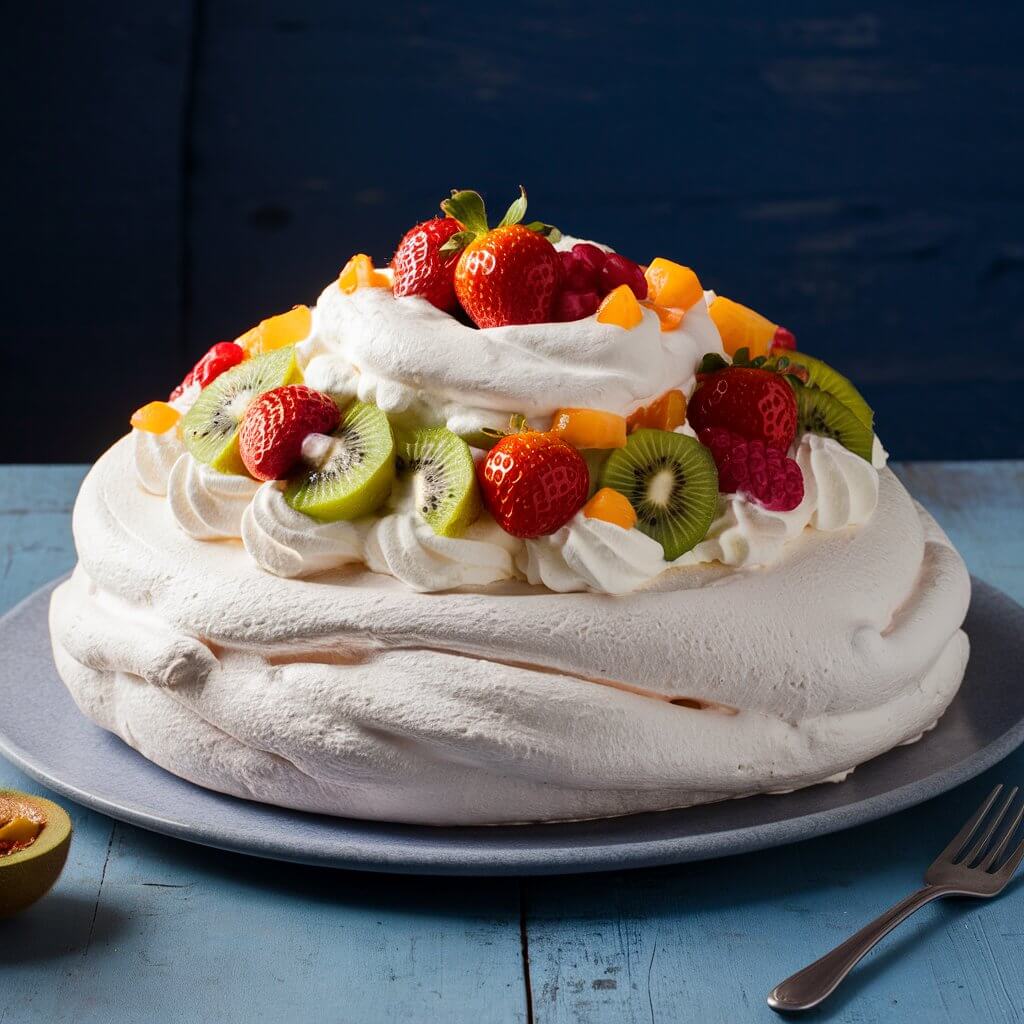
514, 529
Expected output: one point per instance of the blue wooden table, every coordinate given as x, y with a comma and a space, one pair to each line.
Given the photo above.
144, 928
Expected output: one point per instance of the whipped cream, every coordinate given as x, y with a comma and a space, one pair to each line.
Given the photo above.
208, 505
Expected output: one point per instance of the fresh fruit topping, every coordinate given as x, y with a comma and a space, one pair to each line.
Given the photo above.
664, 413
611, 507
740, 327
210, 428
438, 466
754, 402
669, 317
570, 305
155, 417
618, 271
510, 274
223, 356
672, 484
419, 268
277, 331
591, 257
589, 428
275, 425
349, 472
821, 376
34, 840
822, 413
670, 284
359, 272
620, 307
751, 468
784, 339
533, 483
485, 438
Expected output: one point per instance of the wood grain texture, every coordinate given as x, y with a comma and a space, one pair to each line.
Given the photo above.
141, 927
857, 173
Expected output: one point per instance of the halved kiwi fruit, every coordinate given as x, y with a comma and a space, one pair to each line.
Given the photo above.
671, 482
210, 428
823, 377
437, 466
821, 413
355, 472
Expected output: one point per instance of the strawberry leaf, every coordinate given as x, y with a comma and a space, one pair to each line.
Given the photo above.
515, 213
467, 207
712, 363
457, 242
548, 231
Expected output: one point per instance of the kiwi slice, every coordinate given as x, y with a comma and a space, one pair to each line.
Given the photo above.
210, 428
354, 473
823, 377
821, 413
437, 466
671, 482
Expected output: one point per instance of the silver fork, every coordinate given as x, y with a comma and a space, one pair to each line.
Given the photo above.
980, 872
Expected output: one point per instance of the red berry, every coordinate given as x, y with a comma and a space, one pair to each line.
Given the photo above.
618, 270
783, 339
575, 306
221, 357
753, 469
533, 483
420, 268
756, 404
275, 425
576, 275
590, 256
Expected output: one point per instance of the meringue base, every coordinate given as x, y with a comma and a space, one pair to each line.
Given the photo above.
347, 694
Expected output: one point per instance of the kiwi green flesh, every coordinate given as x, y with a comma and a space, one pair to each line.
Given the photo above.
29, 874
671, 482
821, 413
210, 428
823, 377
357, 474
437, 466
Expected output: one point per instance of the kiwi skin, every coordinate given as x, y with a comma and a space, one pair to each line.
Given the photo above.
29, 874
818, 412
823, 377
462, 507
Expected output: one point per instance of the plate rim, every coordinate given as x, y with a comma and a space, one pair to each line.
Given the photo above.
440, 858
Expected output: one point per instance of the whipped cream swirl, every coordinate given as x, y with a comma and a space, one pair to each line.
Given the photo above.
206, 504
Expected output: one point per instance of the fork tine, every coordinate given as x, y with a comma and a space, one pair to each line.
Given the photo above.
997, 850
960, 839
979, 847
1011, 862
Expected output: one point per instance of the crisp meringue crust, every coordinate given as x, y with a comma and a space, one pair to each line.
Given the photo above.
351, 694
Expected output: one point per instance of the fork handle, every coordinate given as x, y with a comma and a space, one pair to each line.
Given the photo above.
812, 985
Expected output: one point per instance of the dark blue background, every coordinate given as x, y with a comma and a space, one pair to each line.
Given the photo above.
176, 171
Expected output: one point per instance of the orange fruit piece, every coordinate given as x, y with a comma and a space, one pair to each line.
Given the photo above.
590, 428
155, 417
669, 317
740, 327
360, 272
620, 307
665, 413
277, 331
611, 507
671, 284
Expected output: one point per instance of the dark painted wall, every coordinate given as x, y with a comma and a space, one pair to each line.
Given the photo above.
175, 171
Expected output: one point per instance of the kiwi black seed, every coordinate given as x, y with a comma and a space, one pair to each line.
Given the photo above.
671, 482
821, 413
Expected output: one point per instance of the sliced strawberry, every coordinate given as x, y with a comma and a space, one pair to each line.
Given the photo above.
275, 425
533, 483
421, 269
221, 357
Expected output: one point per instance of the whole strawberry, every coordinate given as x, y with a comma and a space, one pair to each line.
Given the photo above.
419, 266
533, 483
764, 474
275, 425
221, 357
751, 401
510, 274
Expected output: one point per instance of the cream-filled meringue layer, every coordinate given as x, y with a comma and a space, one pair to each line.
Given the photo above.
348, 694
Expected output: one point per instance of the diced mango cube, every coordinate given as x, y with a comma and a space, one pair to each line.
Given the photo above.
665, 413
669, 317
620, 307
671, 284
590, 428
740, 327
611, 507
360, 272
155, 417
277, 331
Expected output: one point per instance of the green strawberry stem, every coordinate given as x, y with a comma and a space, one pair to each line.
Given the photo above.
467, 207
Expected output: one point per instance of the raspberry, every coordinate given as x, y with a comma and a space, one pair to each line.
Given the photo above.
751, 468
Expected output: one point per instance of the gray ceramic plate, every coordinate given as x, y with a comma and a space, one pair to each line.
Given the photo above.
44, 734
